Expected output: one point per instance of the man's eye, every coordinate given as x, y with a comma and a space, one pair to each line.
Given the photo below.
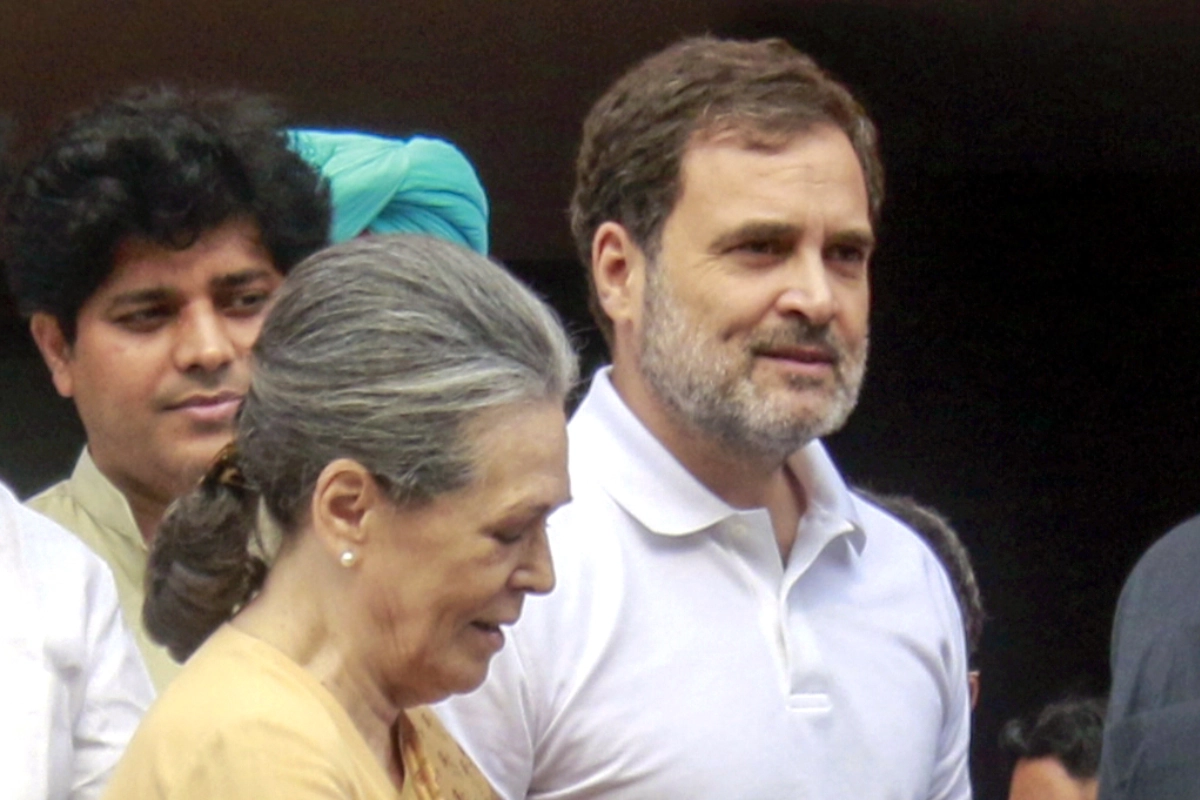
247, 302
143, 319
763, 247
847, 254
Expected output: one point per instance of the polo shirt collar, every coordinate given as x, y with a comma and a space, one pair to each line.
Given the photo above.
664, 497
830, 506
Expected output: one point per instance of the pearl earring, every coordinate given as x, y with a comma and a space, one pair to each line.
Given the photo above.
348, 558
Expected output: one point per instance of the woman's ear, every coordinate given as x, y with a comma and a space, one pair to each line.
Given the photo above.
343, 498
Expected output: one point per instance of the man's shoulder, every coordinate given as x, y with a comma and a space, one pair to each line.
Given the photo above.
897, 555
591, 538
66, 502
596, 456
61, 504
69, 588
89, 507
1172, 561
53, 500
49, 546
1160, 591
875, 517
1153, 723
885, 529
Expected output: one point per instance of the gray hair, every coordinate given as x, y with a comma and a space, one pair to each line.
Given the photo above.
382, 350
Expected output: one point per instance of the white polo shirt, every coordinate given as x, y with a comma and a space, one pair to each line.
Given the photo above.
680, 658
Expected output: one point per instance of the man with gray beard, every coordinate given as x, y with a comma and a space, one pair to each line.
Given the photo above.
731, 621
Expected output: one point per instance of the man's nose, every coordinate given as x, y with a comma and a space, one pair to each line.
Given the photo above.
806, 290
203, 341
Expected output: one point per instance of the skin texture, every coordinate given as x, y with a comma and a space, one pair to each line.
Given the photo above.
417, 617
1046, 779
468, 557
746, 336
160, 359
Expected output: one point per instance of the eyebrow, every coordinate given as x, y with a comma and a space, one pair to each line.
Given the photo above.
159, 294
233, 280
755, 230
140, 297
522, 511
856, 238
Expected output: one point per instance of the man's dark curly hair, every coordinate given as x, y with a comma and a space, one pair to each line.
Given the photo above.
1071, 731
159, 164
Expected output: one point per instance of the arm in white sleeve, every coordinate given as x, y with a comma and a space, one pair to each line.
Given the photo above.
951, 778
75, 686
114, 690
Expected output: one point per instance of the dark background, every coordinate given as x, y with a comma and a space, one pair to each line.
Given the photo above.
1034, 370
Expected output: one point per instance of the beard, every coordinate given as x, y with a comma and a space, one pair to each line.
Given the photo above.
709, 384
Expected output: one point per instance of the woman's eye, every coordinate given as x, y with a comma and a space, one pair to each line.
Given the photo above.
508, 537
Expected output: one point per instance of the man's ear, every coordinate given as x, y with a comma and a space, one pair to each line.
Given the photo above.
619, 272
55, 350
343, 499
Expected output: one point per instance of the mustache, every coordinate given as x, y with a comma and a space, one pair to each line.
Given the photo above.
800, 334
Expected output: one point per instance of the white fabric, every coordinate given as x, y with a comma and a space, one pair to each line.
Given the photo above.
679, 657
72, 685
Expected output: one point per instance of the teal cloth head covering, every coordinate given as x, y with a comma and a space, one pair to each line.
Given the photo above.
381, 185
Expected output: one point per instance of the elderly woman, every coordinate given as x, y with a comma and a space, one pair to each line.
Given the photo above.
405, 432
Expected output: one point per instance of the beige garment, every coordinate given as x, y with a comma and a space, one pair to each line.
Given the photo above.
244, 721
91, 507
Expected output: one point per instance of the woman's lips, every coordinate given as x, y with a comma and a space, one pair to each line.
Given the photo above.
493, 634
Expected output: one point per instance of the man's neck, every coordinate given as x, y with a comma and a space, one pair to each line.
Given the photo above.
740, 479
147, 506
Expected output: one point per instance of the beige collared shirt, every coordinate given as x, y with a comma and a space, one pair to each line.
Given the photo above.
91, 507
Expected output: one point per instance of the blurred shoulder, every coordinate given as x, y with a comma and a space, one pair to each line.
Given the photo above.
1171, 561
45, 547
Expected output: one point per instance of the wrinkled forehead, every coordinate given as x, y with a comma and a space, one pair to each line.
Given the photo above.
741, 134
